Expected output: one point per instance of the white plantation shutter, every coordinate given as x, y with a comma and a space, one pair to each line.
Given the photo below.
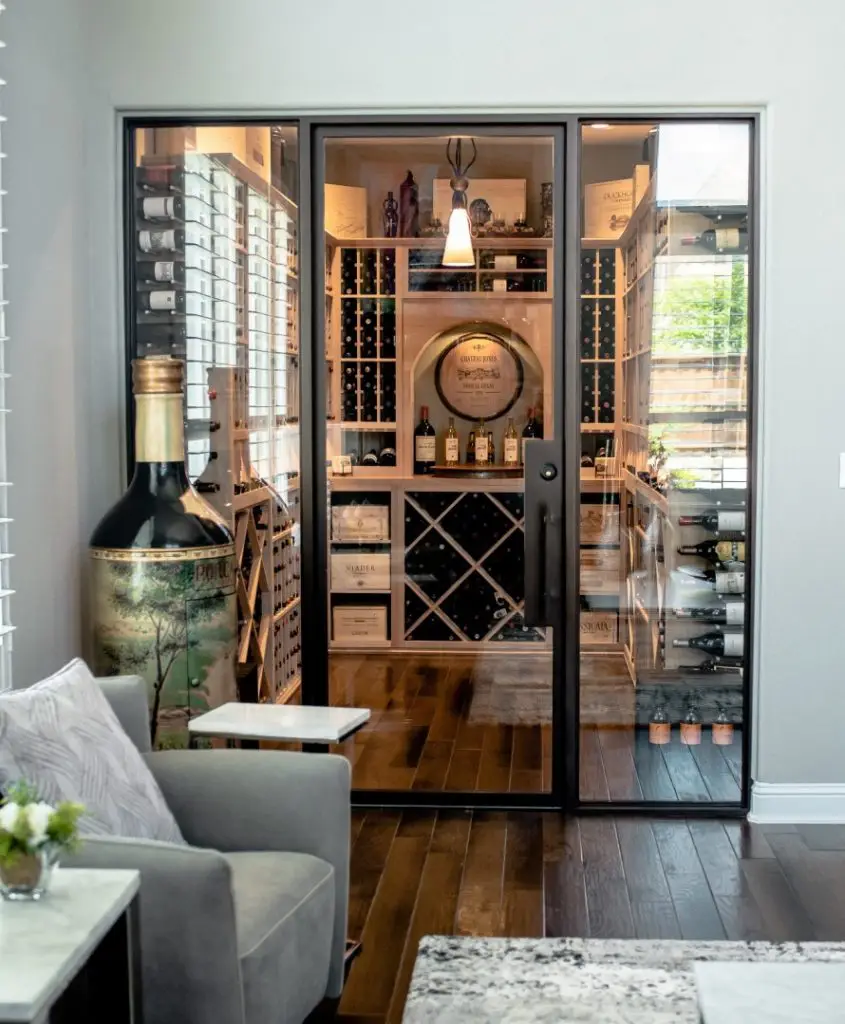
5, 555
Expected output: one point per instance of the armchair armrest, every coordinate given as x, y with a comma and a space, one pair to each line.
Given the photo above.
188, 938
266, 800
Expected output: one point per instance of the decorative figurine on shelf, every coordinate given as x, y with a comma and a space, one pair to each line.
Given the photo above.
409, 207
480, 213
390, 216
547, 207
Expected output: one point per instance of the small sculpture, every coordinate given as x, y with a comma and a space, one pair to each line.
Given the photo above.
391, 216
409, 207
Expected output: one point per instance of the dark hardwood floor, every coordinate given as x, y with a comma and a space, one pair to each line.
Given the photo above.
482, 723
530, 874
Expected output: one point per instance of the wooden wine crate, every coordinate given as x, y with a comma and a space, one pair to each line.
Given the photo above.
599, 524
360, 570
600, 571
599, 627
361, 522
359, 624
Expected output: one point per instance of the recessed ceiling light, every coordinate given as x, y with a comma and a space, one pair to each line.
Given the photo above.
602, 126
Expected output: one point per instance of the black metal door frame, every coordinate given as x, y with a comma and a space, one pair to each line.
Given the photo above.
314, 521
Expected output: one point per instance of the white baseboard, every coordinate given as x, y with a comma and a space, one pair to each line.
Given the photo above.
798, 803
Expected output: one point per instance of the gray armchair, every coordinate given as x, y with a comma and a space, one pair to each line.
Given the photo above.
247, 925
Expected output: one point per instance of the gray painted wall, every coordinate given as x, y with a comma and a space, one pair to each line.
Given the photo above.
334, 55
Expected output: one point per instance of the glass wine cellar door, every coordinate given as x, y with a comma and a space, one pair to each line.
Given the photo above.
524, 523
443, 340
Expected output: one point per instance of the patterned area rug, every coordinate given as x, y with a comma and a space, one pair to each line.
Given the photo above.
575, 981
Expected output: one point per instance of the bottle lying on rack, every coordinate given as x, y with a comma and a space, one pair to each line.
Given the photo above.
717, 521
371, 458
731, 645
169, 240
728, 554
161, 271
452, 445
387, 457
715, 663
721, 240
162, 300
161, 208
731, 613
732, 582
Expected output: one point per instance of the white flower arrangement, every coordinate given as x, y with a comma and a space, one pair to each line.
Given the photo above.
29, 825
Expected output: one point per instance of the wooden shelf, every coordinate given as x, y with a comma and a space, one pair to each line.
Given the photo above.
358, 543
637, 486
282, 612
439, 242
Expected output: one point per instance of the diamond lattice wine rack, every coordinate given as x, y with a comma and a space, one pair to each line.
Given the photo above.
464, 567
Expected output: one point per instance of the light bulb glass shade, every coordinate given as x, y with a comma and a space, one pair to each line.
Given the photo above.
458, 251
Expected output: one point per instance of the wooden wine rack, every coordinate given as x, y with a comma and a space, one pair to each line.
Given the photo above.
266, 530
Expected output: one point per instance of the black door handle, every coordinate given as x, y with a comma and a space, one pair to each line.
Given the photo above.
543, 534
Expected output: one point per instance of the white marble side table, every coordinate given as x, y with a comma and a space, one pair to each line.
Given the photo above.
280, 723
74, 953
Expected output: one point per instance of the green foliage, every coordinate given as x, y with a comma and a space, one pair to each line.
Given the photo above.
701, 313
62, 825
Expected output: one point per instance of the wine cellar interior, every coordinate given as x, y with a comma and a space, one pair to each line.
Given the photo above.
441, 292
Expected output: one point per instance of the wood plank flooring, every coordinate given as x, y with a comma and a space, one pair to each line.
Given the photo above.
529, 874
482, 723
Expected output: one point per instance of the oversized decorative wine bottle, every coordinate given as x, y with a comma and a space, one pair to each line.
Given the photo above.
163, 571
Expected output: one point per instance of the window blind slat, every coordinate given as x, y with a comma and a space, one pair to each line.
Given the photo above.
6, 592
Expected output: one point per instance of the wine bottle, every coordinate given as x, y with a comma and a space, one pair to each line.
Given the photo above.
715, 664
659, 727
531, 429
371, 458
491, 449
718, 521
159, 550
162, 271
511, 445
155, 208
691, 725
387, 457
731, 613
453, 444
425, 444
731, 582
722, 730
162, 300
482, 445
169, 240
726, 553
720, 240
471, 448
730, 645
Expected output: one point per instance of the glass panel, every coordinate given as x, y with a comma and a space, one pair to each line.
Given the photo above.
440, 358
216, 272
664, 484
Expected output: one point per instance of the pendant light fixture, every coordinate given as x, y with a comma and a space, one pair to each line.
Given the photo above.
458, 251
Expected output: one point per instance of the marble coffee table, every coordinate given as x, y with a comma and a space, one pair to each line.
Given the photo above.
577, 981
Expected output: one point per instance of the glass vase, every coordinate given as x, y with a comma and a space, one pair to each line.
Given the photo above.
27, 877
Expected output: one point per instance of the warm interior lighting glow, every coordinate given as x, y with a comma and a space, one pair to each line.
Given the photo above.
458, 251
602, 126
